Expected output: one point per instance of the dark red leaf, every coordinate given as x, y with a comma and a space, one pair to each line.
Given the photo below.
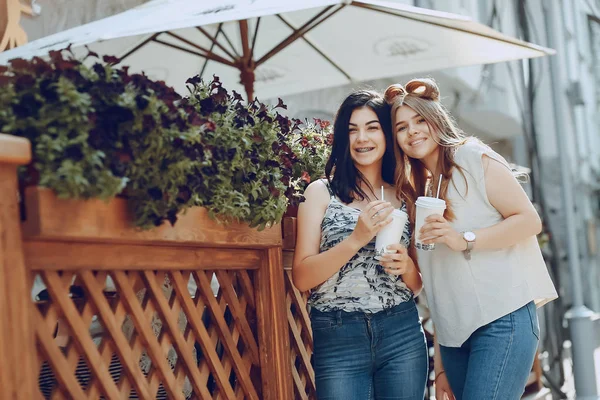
111, 60
280, 104
91, 53
194, 80
237, 96
305, 177
19, 63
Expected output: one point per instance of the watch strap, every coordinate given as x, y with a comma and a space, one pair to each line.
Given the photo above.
470, 244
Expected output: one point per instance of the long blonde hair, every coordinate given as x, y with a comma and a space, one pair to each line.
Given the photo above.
423, 96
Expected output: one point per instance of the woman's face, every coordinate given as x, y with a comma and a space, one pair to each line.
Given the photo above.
367, 140
413, 134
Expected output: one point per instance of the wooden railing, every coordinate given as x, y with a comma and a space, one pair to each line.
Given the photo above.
301, 338
192, 311
17, 348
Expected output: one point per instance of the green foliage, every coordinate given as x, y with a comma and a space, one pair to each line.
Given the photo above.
44, 104
311, 142
98, 132
248, 167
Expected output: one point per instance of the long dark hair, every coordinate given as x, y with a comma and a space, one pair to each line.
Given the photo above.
345, 182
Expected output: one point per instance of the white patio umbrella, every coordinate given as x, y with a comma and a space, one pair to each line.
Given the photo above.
276, 48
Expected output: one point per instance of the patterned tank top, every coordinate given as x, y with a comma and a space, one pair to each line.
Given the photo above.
361, 284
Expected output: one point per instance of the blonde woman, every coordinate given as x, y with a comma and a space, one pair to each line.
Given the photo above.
486, 275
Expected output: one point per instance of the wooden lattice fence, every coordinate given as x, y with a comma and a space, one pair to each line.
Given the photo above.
93, 308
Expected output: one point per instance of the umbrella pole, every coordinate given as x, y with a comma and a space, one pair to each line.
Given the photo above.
247, 76
247, 79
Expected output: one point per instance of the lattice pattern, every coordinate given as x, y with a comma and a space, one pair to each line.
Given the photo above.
301, 341
157, 334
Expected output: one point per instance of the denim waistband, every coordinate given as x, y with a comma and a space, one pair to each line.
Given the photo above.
359, 315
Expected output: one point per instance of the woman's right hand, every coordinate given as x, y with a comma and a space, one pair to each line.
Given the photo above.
370, 221
442, 388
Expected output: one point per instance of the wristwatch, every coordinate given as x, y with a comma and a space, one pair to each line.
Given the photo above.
470, 239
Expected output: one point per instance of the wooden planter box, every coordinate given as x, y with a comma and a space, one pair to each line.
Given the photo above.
48, 217
104, 233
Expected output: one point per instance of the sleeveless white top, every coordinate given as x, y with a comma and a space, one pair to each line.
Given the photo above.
464, 295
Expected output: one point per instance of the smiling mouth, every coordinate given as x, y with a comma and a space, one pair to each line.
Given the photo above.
417, 142
364, 149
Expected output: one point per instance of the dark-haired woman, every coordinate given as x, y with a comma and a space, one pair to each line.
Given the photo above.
368, 339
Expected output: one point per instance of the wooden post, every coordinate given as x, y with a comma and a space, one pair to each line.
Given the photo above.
17, 346
273, 333
3, 19
12, 33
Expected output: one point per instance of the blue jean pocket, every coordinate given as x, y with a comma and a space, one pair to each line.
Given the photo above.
535, 324
321, 323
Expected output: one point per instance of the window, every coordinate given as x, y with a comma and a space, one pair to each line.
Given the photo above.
595, 53
424, 4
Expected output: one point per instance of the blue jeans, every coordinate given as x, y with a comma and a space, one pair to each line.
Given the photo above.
370, 356
494, 363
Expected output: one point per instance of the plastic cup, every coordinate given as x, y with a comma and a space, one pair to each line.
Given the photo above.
391, 233
426, 206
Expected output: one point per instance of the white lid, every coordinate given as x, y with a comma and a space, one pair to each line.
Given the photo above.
399, 213
431, 202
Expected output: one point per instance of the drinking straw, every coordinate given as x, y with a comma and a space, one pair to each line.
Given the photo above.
382, 193
439, 186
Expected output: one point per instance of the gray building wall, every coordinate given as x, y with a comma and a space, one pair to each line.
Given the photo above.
59, 15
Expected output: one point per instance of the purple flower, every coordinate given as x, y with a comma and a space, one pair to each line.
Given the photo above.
141, 102
155, 193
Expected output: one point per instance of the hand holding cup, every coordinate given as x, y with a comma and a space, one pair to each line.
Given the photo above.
426, 206
370, 221
396, 263
438, 230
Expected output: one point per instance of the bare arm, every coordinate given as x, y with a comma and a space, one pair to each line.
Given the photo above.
442, 387
310, 267
412, 278
506, 195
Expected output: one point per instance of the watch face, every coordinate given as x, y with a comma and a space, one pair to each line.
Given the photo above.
469, 236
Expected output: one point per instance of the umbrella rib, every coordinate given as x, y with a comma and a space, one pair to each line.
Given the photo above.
231, 44
254, 37
317, 49
374, 8
307, 27
211, 48
139, 46
209, 54
215, 41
